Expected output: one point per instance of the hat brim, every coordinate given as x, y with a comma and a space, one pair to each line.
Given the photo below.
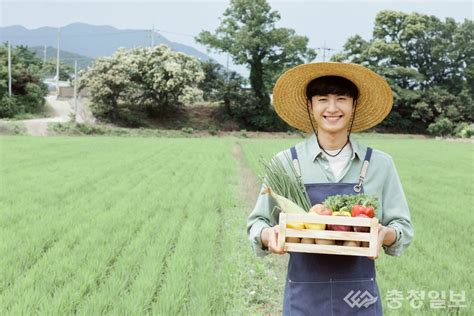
290, 102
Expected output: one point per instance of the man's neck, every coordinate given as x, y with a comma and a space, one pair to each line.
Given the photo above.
332, 141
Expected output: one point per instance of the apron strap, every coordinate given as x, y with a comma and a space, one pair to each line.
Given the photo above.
294, 158
363, 171
362, 175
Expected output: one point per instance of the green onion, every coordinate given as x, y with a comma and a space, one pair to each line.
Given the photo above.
285, 183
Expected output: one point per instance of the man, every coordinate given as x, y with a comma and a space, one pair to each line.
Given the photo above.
332, 100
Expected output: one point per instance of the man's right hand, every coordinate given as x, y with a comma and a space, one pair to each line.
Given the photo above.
269, 237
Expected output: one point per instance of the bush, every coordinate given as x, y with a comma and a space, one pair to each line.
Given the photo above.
187, 130
463, 130
212, 129
442, 127
152, 81
8, 106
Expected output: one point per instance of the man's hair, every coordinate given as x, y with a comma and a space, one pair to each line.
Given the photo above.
332, 85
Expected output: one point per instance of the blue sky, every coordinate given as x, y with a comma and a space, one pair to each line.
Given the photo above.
327, 23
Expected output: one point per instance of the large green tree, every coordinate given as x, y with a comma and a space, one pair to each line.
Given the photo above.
428, 63
28, 91
150, 81
248, 33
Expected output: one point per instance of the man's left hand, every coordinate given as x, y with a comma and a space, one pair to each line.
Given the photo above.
385, 237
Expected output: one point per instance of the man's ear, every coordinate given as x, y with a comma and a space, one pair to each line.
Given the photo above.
309, 104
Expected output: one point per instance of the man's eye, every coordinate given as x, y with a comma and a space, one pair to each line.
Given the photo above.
322, 99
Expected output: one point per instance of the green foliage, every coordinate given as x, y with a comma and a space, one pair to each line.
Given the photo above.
463, 130
427, 62
49, 69
337, 202
212, 130
442, 127
143, 81
219, 84
28, 91
285, 181
8, 106
187, 130
248, 33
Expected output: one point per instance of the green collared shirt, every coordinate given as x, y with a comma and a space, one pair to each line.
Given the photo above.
381, 181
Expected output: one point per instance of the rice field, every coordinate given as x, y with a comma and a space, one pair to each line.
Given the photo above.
111, 225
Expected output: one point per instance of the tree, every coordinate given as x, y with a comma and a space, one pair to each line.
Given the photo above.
249, 35
428, 63
108, 81
49, 69
152, 81
166, 80
28, 91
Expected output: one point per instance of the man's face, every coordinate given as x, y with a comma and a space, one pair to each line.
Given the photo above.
332, 112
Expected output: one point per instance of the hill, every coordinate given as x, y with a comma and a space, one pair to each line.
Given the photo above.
90, 40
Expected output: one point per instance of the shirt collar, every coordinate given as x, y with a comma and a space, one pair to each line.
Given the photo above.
314, 150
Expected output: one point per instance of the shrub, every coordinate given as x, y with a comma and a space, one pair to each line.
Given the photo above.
463, 130
187, 130
8, 106
442, 127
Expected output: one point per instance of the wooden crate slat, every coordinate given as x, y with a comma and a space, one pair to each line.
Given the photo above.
370, 237
336, 220
282, 232
328, 249
327, 234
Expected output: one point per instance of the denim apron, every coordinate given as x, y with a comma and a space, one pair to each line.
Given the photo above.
321, 284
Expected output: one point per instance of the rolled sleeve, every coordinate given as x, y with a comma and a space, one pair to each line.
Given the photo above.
262, 216
396, 213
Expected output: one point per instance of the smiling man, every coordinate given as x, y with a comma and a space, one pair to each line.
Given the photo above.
332, 100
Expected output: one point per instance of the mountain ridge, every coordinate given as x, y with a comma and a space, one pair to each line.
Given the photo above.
90, 40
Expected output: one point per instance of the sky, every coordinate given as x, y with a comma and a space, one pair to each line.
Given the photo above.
326, 23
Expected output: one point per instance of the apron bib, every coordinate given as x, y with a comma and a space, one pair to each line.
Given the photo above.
320, 284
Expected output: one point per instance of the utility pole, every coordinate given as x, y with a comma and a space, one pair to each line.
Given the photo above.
9, 69
324, 49
153, 36
75, 89
57, 63
227, 69
44, 56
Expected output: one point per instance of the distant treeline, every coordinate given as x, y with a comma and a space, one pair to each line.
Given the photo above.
427, 62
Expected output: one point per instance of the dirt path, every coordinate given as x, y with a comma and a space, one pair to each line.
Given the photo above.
62, 110
39, 127
271, 282
249, 188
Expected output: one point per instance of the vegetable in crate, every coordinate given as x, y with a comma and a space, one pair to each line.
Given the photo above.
288, 191
355, 205
285, 187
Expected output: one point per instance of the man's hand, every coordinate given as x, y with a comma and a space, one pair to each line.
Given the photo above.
269, 237
386, 236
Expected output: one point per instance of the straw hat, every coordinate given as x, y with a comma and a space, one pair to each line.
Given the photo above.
290, 101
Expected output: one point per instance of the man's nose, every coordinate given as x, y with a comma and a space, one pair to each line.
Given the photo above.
332, 104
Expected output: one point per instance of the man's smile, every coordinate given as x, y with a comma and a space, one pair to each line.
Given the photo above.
332, 118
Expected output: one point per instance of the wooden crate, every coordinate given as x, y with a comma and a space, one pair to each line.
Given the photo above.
370, 237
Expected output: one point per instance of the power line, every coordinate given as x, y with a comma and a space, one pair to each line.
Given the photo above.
324, 48
81, 35
102, 34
